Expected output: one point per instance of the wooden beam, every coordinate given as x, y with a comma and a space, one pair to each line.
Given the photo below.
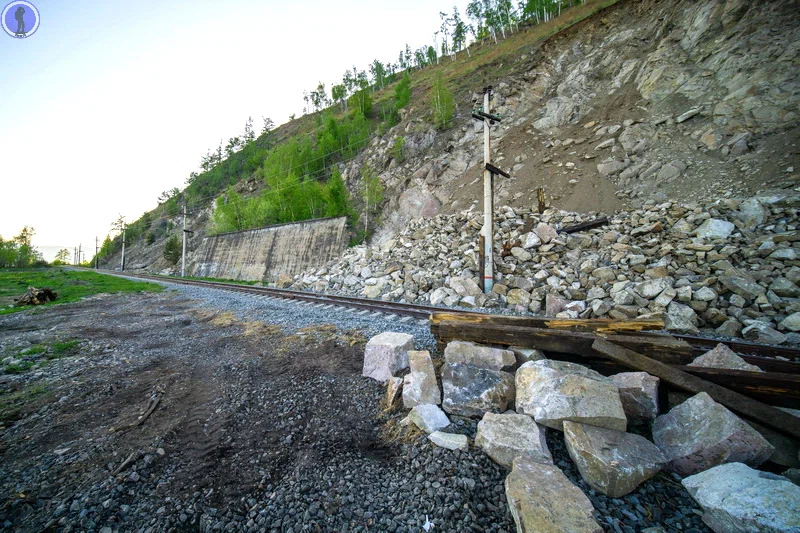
774, 387
764, 414
663, 347
600, 325
602, 221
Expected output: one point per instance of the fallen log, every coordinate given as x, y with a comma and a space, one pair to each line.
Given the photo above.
661, 347
36, 296
600, 325
602, 221
764, 414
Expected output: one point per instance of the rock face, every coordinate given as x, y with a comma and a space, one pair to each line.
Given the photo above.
477, 355
386, 354
542, 500
738, 499
473, 391
555, 391
723, 357
700, 433
428, 418
639, 394
394, 386
451, 441
505, 437
420, 385
612, 462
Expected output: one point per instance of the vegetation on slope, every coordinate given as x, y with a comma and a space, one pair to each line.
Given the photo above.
296, 163
70, 285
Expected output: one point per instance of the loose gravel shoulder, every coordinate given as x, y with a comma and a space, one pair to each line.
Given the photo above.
262, 422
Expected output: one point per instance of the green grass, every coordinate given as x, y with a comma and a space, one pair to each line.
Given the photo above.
12, 402
70, 285
39, 354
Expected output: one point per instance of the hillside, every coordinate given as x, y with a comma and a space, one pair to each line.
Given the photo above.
606, 107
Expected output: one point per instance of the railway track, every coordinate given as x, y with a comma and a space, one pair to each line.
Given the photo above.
420, 312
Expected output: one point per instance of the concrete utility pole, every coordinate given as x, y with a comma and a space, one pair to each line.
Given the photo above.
488, 200
183, 252
95, 253
74, 255
122, 259
79, 254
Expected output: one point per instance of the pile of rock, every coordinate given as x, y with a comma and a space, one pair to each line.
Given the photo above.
733, 266
519, 395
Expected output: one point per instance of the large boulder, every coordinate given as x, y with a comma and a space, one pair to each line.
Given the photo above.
714, 228
465, 286
505, 437
428, 418
738, 499
723, 357
639, 394
555, 391
744, 287
700, 433
450, 441
420, 385
472, 391
386, 354
612, 462
542, 500
477, 355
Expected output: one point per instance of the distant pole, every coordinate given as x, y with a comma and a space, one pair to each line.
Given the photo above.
122, 259
74, 255
488, 201
183, 252
95, 253
79, 254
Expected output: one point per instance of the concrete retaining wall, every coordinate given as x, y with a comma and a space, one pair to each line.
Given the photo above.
264, 254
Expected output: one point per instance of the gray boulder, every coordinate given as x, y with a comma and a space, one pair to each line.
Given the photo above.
639, 394
738, 499
612, 462
700, 433
723, 357
386, 354
714, 228
555, 391
542, 500
477, 355
505, 437
450, 441
473, 391
428, 418
420, 385
744, 287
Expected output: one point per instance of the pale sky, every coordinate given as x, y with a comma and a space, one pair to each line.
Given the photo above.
110, 103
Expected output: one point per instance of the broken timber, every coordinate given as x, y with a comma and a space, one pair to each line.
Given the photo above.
602, 221
661, 347
600, 325
764, 414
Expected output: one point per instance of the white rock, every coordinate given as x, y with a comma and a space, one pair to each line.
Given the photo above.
420, 386
714, 228
738, 499
723, 357
386, 354
428, 418
477, 355
700, 433
451, 441
505, 437
554, 391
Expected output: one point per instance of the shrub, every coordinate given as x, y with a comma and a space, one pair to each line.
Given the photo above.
173, 249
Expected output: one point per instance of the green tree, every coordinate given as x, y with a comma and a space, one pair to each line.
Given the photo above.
398, 149
339, 94
431, 55
361, 101
378, 71
173, 249
402, 92
371, 190
336, 195
459, 32
442, 103
62, 256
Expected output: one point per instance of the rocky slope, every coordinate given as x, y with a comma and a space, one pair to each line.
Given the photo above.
645, 100
731, 265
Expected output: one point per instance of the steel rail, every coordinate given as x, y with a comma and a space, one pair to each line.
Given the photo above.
423, 312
